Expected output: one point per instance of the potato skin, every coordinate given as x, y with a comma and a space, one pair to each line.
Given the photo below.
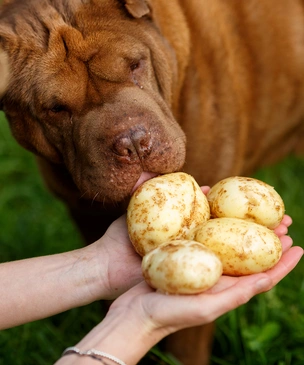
164, 208
181, 267
246, 198
243, 247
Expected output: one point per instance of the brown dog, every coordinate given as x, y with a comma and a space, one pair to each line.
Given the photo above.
105, 90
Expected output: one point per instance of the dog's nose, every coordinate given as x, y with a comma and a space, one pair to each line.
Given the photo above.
134, 145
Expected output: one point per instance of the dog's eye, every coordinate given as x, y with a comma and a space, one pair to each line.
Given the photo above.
134, 65
57, 108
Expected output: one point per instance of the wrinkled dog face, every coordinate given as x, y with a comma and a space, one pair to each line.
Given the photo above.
90, 87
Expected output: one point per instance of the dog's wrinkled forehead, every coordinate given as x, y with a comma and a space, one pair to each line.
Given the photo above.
77, 66
72, 40
104, 53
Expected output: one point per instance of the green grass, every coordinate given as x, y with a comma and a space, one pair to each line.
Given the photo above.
268, 330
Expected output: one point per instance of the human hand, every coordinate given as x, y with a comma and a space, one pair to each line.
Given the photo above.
148, 316
121, 265
164, 314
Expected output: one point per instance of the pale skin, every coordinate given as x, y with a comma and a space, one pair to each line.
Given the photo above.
39, 287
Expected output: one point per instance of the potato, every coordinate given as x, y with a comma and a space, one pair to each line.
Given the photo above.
164, 208
246, 198
181, 267
243, 247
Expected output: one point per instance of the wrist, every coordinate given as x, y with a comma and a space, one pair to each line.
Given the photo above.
91, 354
119, 266
93, 268
123, 334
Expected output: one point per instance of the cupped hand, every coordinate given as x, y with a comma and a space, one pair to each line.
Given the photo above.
164, 314
121, 265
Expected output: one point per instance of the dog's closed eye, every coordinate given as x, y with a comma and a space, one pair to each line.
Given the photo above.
137, 68
134, 65
58, 108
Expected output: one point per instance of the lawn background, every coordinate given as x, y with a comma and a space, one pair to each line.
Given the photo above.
268, 330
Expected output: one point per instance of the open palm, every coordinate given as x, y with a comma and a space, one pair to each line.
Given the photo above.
174, 312
124, 264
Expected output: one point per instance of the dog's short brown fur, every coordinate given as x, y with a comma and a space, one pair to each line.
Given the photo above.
103, 90
3, 72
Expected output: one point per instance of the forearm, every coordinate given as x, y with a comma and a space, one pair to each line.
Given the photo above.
39, 287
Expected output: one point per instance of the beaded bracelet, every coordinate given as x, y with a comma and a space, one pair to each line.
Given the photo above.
92, 353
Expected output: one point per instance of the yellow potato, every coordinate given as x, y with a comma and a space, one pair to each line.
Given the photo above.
243, 247
246, 198
181, 267
164, 208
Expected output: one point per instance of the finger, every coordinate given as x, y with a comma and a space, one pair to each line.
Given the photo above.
287, 220
281, 230
191, 310
239, 291
287, 263
205, 189
286, 242
208, 306
226, 282
246, 287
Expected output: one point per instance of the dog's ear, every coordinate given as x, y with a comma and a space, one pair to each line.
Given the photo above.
137, 8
